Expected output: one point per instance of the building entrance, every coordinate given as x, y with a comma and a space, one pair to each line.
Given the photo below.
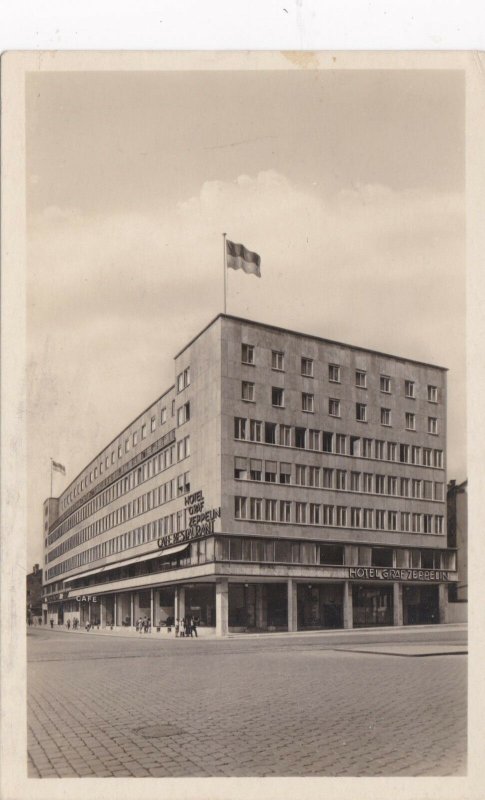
258, 606
421, 605
200, 602
372, 605
320, 606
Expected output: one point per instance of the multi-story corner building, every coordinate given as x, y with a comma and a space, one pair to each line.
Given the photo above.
284, 482
457, 503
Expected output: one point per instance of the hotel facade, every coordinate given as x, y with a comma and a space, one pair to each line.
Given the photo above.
284, 482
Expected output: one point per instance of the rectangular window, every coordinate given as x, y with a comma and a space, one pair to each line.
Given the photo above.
427, 457
438, 458
340, 444
255, 430
409, 389
391, 451
416, 486
300, 511
367, 482
327, 478
135, 438
314, 476
405, 520
361, 412
277, 360
341, 516
327, 446
331, 554
416, 523
153, 424
367, 448
360, 378
380, 484
354, 446
427, 523
385, 384
404, 487
367, 518
341, 479
270, 510
438, 491
313, 440
392, 485
355, 481
415, 455
143, 431
327, 515
240, 506
382, 557
307, 402
285, 435
392, 520
432, 394
247, 391
334, 373
277, 397
380, 519
256, 469
404, 451
334, 407
282, 551
428, 490
270, 432
300, 475
314, 514
270, 469
247, 353
438, 524
433, 425
410, 421
285, 472
307, 367
385, 416
256, 508
300, 436
355, 517
240, 428
163, 416
183, 414
379, 450
285, 511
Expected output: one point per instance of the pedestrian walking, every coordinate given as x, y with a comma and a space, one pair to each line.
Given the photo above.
52, 623
177, 628
68, 624
193, 623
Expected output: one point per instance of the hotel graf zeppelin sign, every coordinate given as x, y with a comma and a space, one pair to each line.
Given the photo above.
402, 574
201, 522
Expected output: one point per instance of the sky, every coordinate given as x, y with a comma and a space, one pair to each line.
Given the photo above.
349, 184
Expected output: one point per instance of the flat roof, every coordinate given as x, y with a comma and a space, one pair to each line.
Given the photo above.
308, 336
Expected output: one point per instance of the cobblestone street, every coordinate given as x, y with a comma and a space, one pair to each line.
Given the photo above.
269, 706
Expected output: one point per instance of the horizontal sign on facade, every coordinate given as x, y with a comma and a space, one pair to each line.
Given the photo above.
387, 573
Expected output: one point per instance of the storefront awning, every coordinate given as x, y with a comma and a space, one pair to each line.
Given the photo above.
135, 560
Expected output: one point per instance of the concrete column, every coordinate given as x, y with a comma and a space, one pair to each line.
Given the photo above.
222, 607
156, 608
443, 601
181, 601
292, 605
397, 604
348, 612
176, 604
132, 609
260, 620
102, 612
152, 621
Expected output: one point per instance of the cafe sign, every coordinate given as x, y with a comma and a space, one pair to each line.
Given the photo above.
388, 574
201, 522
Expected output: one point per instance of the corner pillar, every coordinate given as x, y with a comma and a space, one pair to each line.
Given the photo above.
348, 611
222, 607
397, 604
443, 603
292, 605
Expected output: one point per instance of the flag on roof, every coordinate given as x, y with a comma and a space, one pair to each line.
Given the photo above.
58, 467
240, 258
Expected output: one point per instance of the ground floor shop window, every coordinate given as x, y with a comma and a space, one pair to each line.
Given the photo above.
200, 602
372, 605
420, 605
320, 606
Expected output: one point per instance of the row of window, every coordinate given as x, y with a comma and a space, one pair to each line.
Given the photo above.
252, 430
183, 414
156, 497
248, 394
153, 466
257, 509
255, 469
232, 548
334, 373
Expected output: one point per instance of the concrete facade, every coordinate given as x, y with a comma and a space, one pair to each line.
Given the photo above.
284, 482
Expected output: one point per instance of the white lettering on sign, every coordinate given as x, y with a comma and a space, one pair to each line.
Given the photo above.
384, 573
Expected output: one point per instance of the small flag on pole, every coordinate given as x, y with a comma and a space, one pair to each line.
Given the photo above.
58, 467
240, 258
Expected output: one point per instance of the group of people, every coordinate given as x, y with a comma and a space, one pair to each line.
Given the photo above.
186, 627
143, 624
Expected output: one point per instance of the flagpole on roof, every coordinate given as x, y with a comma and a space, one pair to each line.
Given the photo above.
51, 478
225, 268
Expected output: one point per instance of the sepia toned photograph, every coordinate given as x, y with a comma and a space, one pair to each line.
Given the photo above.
246, 549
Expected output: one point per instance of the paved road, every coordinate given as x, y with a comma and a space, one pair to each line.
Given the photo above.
287, 705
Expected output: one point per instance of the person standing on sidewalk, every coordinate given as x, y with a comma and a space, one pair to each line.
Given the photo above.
193, 624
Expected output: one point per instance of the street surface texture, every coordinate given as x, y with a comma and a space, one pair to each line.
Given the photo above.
263, 706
